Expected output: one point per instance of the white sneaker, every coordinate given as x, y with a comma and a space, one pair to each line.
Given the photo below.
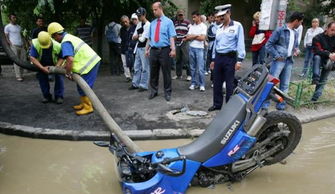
202, 88
192, 87
206, 73
174, 77
189, 78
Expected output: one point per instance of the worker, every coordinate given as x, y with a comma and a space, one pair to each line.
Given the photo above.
81, 59
45, 52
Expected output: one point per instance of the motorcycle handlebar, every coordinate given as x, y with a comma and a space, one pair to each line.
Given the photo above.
286, 97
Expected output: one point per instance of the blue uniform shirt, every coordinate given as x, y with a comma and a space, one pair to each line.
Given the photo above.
46, 58
230, 39
67, 49
166, 32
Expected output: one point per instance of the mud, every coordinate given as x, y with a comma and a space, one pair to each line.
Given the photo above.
34, 166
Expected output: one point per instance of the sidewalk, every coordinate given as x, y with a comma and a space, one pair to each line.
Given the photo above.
22, 112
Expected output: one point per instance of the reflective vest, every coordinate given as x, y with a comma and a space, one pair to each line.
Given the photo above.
84, 58
56, 48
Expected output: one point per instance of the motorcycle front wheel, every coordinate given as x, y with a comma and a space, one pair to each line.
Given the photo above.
286, 124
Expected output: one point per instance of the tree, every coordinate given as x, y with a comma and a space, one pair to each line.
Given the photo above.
69, 12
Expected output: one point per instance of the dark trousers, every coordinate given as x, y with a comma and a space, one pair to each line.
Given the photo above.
43, 80
115, 58
224, 71
160, 58
182, 59
258, 56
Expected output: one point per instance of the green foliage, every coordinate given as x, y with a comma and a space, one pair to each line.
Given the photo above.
207, 6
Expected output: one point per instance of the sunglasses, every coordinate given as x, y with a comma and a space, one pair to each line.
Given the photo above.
180, 14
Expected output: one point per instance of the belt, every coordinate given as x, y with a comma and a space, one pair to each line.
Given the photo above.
160, 48
229, 54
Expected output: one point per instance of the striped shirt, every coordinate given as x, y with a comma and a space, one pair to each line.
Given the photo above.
182, 28
85, 33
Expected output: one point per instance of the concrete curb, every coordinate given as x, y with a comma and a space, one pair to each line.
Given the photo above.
27, 131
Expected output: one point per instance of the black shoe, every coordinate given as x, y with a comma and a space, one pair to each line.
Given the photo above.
59, 100
46, 100
152, 95
213, 108
132, 88
167, 97
128, 79
315, 82
142, 89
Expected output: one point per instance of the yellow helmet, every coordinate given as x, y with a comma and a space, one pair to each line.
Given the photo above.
55, 27
44, 39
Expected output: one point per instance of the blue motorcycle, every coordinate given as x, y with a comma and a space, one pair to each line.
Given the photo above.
242, 137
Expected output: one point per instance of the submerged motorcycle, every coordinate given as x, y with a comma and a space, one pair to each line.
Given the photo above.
242, 137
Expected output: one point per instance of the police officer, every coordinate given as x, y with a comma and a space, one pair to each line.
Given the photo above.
229, 51
45, 52
81, 59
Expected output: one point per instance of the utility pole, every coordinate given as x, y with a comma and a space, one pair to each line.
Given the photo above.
273, 14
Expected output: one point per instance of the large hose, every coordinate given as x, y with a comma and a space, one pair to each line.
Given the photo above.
109, 121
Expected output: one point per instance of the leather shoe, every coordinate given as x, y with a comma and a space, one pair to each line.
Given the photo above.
213, 108
152, 95
142, 89
167, 97
132, 87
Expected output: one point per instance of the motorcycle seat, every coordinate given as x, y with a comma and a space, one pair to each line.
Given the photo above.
210, 142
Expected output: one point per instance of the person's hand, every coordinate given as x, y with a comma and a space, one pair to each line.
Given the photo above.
332, 56
147, 52
172, 53
296, 52
254, 23
45, 70
238, 66
69, 76
211, 66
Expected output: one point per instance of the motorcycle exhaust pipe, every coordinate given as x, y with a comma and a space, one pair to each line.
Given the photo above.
256, 126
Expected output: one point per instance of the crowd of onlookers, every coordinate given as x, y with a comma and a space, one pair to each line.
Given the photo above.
140, 48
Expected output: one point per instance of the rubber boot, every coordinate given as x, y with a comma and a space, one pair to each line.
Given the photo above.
81, 105
87, 108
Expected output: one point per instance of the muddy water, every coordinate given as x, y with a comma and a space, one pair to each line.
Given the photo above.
33, 166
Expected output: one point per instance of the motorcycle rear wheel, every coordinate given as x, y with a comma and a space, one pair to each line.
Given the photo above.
276, 122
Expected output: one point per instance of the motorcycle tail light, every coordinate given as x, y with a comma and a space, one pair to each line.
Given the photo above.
273, 79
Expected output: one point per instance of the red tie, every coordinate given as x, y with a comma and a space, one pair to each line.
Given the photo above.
158, 27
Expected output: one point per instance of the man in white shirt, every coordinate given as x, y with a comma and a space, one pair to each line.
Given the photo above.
15, 40
310, 34
197, 35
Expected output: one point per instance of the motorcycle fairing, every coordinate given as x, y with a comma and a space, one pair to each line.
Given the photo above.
162, 182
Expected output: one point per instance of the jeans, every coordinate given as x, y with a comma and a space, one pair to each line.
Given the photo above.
182, 59
308, 59
43, 80
258, 56
322, 82
89, 78
141, 69
197, 66
317, 64
282, 70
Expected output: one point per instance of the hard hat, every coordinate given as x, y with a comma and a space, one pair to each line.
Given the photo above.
222, 9
257, 15
54, 27
44, 39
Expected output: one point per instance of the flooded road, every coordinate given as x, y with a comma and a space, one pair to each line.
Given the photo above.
34, 166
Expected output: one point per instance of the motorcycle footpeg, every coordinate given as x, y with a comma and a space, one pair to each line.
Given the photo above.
101, 143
